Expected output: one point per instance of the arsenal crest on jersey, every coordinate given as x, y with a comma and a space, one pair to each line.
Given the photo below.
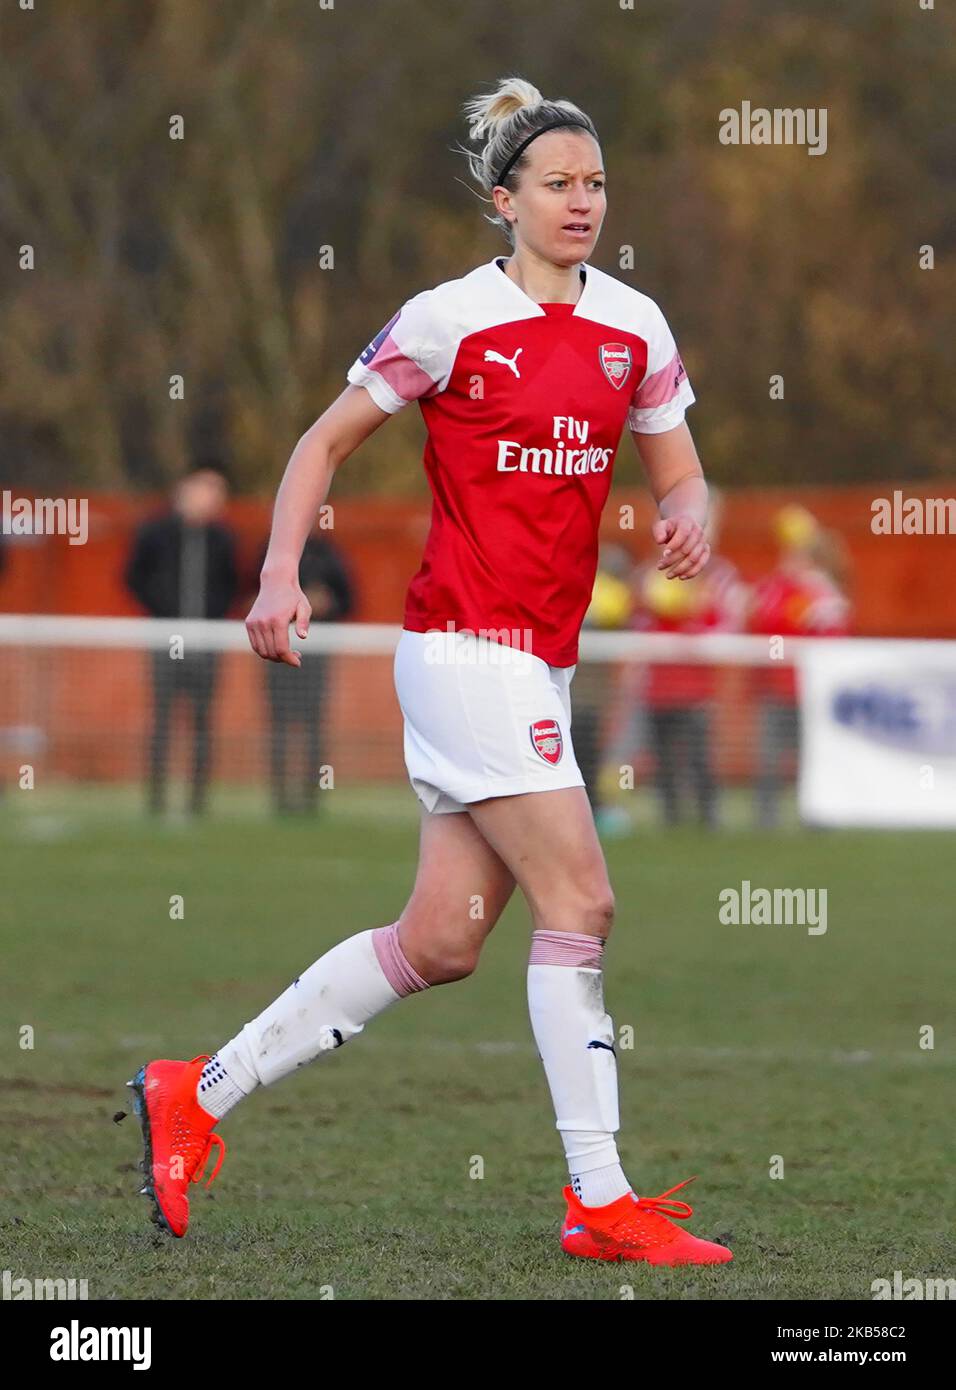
546, 740
616, 362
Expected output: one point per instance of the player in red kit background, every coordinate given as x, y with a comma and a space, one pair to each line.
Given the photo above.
803, 596
526, 370
678, 697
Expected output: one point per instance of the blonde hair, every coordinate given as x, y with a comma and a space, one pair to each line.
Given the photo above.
503, 119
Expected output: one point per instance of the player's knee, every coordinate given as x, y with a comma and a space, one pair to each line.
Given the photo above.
438, 952
601, 914
443, 965
589, 913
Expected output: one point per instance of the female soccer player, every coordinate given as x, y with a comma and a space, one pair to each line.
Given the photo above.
526, 370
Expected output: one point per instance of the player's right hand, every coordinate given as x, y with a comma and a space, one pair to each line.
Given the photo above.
280, 602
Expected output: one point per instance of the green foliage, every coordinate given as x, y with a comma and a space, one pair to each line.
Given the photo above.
307, 128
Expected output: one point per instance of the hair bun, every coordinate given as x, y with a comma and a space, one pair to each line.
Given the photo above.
486, 113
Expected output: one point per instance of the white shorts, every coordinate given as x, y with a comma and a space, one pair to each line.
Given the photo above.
482, 719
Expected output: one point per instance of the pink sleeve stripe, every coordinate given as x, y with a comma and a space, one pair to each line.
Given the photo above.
566, 948
661, 387
399, 372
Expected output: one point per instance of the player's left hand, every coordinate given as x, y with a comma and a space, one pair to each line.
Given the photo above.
686, 552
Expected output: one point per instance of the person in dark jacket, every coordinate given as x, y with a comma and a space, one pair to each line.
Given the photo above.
183, 565
297, 694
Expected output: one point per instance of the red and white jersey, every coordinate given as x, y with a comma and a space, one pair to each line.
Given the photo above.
524, 404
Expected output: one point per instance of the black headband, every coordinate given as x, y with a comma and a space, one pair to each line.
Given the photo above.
552, 125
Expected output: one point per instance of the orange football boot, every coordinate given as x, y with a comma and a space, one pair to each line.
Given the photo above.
635, 1228
177, 1135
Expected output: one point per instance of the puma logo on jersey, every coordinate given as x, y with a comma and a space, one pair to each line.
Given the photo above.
492, 356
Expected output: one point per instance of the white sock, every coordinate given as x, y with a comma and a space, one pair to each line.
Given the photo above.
216, 1091
324, 1007
575, 1038
600, 1186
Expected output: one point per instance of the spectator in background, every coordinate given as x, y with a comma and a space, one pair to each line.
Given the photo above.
804, 596
297, 695
679, 697
183, 565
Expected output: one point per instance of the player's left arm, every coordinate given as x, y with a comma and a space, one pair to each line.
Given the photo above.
676, 480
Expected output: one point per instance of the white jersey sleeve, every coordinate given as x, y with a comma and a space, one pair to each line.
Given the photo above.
406, 359
664, 393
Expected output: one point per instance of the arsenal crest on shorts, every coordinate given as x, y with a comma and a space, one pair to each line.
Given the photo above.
546, 740
616, 362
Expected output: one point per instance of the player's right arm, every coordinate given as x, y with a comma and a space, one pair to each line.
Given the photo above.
305, 484
408, 358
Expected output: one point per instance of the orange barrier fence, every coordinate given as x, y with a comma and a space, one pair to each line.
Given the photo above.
901, 585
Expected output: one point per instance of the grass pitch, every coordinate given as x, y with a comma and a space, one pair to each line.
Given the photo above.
354, 1175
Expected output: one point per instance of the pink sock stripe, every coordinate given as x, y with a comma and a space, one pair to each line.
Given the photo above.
400, 975
566, 948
